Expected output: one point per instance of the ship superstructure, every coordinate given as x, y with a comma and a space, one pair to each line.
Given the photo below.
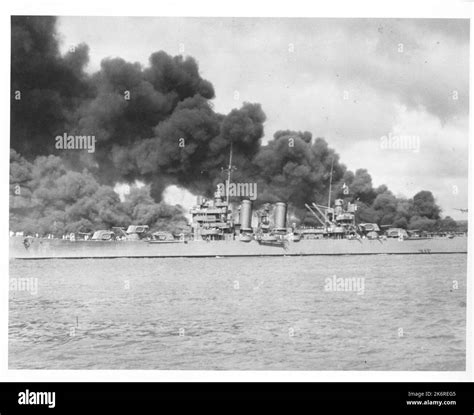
211, 219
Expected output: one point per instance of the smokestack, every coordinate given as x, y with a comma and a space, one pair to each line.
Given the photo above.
246, 216
280, 216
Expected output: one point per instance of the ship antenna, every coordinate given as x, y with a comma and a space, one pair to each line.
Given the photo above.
330, 183
229, 170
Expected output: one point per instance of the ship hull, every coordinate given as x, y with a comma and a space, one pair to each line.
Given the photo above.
40, 248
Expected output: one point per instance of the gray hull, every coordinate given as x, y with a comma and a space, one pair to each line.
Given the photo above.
53, 248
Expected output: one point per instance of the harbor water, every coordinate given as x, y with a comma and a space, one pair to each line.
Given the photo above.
384, 312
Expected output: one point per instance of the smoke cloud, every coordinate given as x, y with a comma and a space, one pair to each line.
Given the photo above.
47, 197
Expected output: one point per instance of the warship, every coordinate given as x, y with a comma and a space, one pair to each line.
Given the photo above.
216, 232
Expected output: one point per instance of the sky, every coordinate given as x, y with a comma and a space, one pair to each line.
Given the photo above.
359, 83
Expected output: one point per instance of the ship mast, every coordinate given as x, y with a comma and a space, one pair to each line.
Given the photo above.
330, 186
228, 175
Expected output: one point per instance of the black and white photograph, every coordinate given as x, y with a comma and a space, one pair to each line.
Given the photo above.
238, 193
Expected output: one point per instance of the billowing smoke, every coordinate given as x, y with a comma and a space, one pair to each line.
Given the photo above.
155, 124
46, 87
294, 168
47, 197
191, 147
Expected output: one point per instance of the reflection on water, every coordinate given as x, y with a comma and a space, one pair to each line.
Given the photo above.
240, 313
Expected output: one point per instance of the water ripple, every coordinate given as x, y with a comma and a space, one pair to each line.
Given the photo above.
190, 314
